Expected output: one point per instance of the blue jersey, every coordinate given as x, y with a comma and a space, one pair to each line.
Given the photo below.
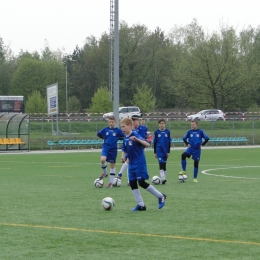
142, 130
135, 152
110, 136
194, 138
162, 140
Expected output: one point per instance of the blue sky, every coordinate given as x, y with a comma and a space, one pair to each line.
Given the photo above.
64, 24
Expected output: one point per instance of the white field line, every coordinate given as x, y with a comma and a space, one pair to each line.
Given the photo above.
206, 172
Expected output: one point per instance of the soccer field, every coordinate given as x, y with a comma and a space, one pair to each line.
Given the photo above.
50, 209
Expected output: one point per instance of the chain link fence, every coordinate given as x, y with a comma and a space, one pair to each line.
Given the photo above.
82, 126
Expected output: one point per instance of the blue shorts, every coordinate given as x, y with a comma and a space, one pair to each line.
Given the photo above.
162, 159
194, 152
110, 154
133, 175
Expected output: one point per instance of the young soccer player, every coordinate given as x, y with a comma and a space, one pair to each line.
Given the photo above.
143, 130
193, 138
134, 147
111, 135
162, 147
124, 160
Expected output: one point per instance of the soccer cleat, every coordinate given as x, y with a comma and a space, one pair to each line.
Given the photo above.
103, 175
119, 175
161, 201
164, 181
195, 180
109, 185
183, 172
138, 208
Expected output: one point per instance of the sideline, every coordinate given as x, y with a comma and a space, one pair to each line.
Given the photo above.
133, 234
99, 150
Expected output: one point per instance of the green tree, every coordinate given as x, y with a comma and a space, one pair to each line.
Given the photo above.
144, 98
34, 74
215, 69
7, 68
101, 103
74, 104
144, 59
36, 103
2, 51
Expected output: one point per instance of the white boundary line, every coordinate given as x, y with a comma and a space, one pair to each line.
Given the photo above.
47, 151
226, 176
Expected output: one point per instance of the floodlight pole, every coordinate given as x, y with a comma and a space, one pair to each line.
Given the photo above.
67, 111
116, 64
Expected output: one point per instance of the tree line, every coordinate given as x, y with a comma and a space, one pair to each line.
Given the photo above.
188, 68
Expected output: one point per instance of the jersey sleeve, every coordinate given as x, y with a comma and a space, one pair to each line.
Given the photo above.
124, 147
136, 134
121, 134
100, 133
204, 135
155, 137
186, 136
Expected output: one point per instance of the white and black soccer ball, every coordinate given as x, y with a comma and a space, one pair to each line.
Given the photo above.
156, 180
98, 183
116, 182
182, 177
108, 203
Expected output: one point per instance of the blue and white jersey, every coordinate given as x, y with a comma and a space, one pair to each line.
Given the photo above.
135, 153
162, 140
142, 130
195, 137
110, 136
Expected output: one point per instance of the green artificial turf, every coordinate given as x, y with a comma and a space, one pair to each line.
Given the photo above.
50, 209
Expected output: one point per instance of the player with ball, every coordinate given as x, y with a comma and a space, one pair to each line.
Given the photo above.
134, 145
110, 135
162, 147
194, 139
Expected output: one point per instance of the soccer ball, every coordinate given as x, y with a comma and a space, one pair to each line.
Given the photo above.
156, 180
108, 203
116, 182
182, 177
98, 183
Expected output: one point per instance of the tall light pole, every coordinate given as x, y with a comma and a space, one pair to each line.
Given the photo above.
67, 111
114, 56
116, 64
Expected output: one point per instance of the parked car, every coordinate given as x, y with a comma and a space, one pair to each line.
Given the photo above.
131, 111
207, 115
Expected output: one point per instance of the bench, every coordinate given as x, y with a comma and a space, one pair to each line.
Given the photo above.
8, 142
91, 143
227, 140
177, 141
217, 140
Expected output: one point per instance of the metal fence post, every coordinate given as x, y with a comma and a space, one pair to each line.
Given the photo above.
253, 131
42, 134
212, 128
233, 127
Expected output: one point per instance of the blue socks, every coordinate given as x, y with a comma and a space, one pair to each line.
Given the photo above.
183, 165
195, 173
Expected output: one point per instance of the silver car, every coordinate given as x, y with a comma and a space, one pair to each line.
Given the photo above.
207, 115
131, 111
